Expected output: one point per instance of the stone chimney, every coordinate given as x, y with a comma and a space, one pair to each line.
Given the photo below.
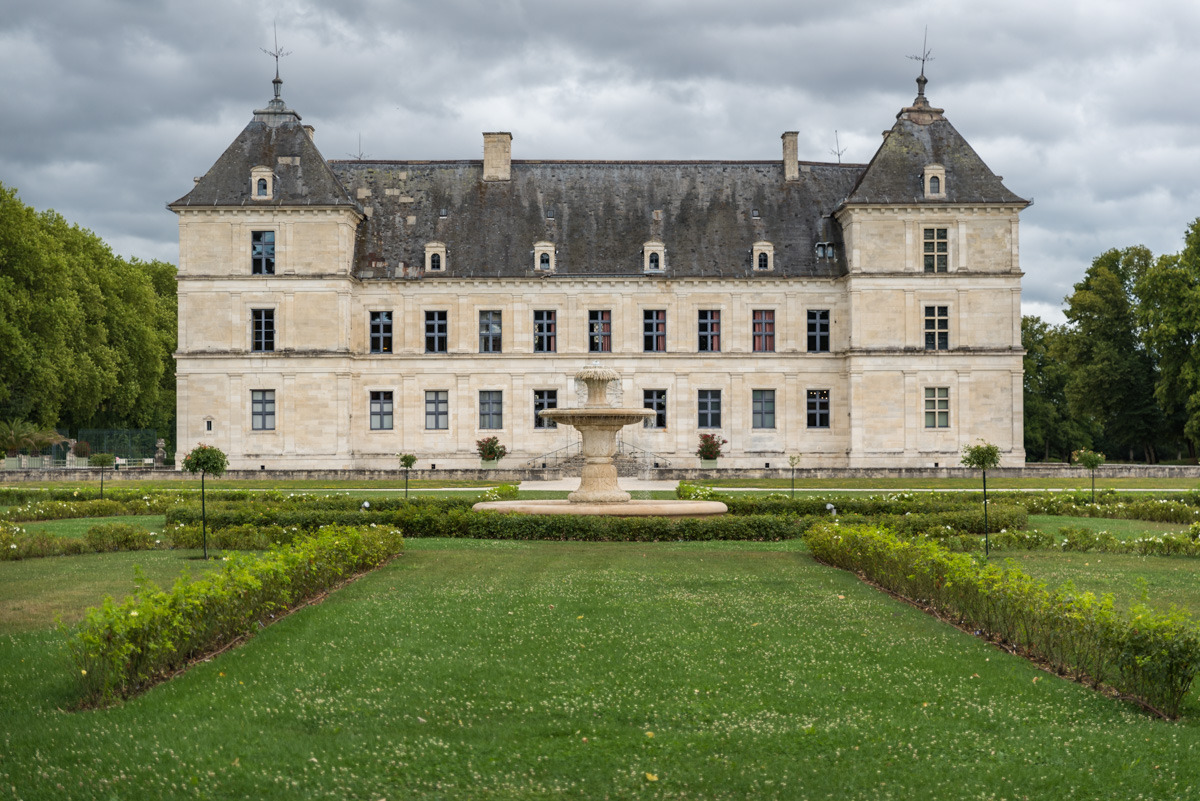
497, 156
791, 156
308, 129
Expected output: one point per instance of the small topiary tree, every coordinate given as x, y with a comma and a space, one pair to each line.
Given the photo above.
205, 459
1091, 460
794, 460
102, 460
407, 460
982, 457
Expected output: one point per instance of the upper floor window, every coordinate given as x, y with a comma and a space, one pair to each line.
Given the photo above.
654, 256
763, 330
600, 331
262, 188
437, 333
935, 185
435, 262
826, 250
544, 256
934, 178
763, 256
937, 328
545, 338
262, 252
489, 331
936, 250
709, 330
262, 330
435, 257
654, 330
381, 332
818, 330
262, 183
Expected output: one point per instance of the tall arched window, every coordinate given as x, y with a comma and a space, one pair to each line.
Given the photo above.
262, 187
763, 261
654, 261
435, 261
544, 261
935, 185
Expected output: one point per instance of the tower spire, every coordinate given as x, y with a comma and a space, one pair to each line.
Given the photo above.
921, 79
276, 54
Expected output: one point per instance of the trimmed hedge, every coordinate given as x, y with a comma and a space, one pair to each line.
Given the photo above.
1151, 656
120, 649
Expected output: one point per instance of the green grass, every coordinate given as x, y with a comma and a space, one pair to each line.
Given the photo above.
1122, 529
1166, 580
306, 485
536, 670
77, 526
955, 483
34, 592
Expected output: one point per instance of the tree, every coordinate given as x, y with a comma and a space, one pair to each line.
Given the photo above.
16, 435
205, 459
1112, 375
1091, 460
1051, 430
1169, 313
983, 457
794, 461
407, 460
102, 460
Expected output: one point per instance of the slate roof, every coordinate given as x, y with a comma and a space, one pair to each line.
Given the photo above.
599, 214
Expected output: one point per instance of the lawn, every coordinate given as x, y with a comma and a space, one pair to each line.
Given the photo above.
1122, 529
78, 526
536, 670
1082, 482
1167, 580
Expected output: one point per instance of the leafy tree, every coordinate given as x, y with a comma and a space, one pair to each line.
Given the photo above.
407, 460
1169, 313
102, 460
205, 459
983, 457
16, 435
1091, 460
1111, 375
1050, 427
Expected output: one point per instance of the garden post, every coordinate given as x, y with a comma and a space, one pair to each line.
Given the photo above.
203, 517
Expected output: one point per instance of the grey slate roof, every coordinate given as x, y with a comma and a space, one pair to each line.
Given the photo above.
603, 213
922, 136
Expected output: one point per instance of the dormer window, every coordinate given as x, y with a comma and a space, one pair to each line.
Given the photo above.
762, 256
654, 256
543, 257
934, 179
435, 257
826, 250
262, 183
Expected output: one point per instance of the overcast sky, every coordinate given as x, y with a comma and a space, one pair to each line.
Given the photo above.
1090, 108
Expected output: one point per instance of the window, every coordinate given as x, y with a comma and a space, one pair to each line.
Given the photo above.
489, 331
262, 409
600, 331
935, 181
208, 425
544, 261
436, 332
826, 250
654, 263
262, 252
937, 328
763, 328
381, 332
544, 339
262, 187
435, 256
544, 399
654, 330
261, 178
708, 405
381, 411
762, 255
763, 408
491, 408
543, 256
437, 409
435, 261
937, 407
937, 250
262, 330
655, 399
818, 408
709, 331
654, 255
763, 261
818, 330
935, 185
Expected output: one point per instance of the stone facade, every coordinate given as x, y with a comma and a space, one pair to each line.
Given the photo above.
334, 314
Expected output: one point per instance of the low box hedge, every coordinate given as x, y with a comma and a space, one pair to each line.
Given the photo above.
1151, 656
122, 648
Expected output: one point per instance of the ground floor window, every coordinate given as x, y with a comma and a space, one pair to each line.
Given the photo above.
937, 407
708, 405
544, 399
262, 409
437, 409
763, 408
818, 408
656, 400
381, 411
491, 408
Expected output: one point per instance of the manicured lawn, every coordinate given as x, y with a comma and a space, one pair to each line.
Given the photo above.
1167, 580
1122, 529
34, 592
78, 526
956, 483
531, 670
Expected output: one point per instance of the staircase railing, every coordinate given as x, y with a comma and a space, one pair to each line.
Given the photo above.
557, 455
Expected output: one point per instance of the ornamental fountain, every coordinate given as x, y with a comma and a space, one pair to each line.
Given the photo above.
598, 423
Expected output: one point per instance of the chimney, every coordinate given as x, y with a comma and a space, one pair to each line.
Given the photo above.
791, 156
308, 129
497, 156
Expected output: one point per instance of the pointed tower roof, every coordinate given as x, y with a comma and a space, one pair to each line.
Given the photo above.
276, 139
922, 136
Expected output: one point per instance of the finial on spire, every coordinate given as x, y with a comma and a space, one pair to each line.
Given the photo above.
276, 54
925, 56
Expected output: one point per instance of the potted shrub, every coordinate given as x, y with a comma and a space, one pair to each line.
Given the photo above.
490, 451
710, 449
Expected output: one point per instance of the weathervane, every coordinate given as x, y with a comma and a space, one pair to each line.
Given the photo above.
276, 54
925, 56
838, 150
